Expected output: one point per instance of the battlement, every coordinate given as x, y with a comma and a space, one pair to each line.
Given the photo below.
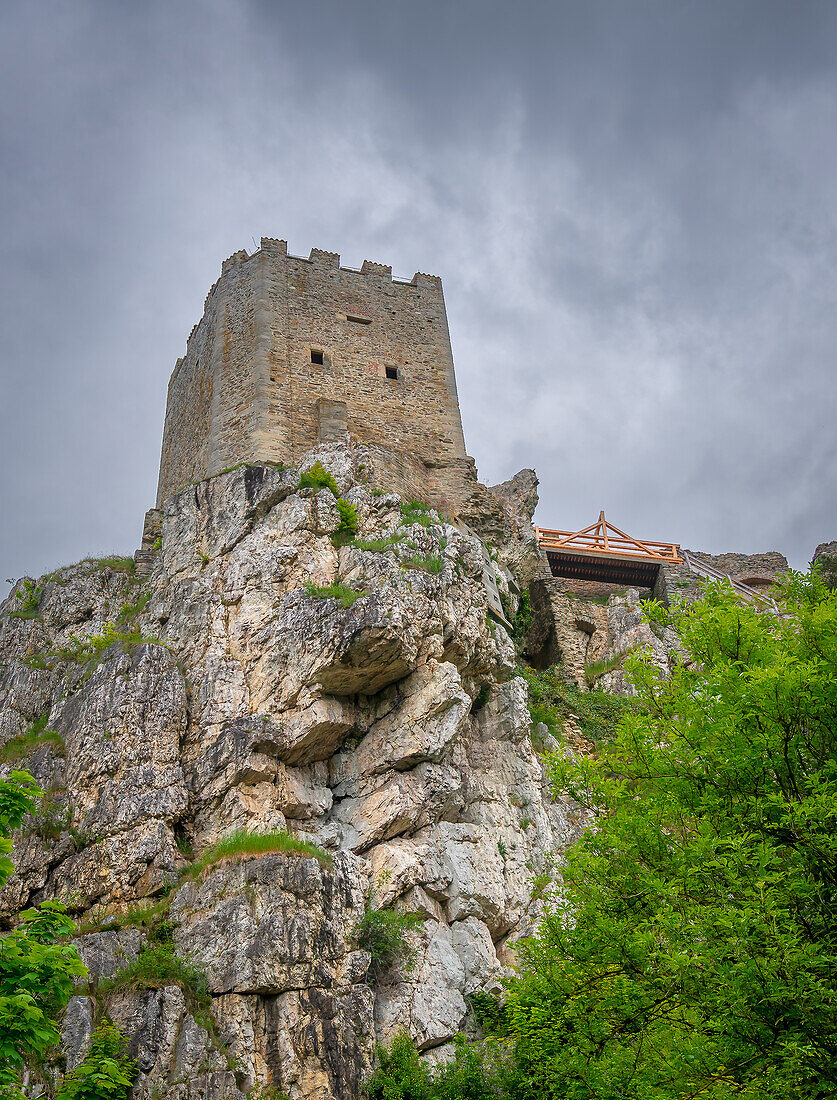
292, 350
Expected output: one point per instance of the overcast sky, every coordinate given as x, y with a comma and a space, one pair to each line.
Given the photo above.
632, 205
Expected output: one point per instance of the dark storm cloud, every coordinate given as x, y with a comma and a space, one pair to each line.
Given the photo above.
632, 205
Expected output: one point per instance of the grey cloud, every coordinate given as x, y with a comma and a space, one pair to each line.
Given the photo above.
633, 208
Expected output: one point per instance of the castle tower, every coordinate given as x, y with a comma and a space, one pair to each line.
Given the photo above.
293, 351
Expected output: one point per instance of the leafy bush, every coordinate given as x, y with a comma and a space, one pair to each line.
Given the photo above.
51, 817
553, 699
489, 1011
157, 966
347, 596
348, 522
318, 477
473, 1074
400, 1074
29, 599
107, 1073
130, 611
35, 734
690, 951
244, 843
37, 964
384, 934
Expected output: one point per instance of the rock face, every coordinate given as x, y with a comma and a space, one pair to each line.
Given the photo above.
381, 720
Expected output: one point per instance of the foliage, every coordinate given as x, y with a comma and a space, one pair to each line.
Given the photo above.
107, 1072
553, 699
157, 966
88, 649
415, 511
318, 477
51, 817
594, 670
430, 563
347, 596
348, 522
475, 1073
489, 1011
130, 611
35, 734
37, 966
400, 1074
379, 545
244, 843
29, 599
522, 621
694, 948
384, 933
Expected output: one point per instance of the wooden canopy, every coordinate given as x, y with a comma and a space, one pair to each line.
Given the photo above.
601, 552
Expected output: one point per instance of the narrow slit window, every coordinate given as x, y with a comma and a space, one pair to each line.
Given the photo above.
317, 357
358, 320
392, 372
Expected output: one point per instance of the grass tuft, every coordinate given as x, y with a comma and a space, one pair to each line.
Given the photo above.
347, 596
35, 735
378, 546
87, 650
432, 563
594, 670
244, 843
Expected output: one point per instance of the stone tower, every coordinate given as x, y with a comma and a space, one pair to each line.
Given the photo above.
293, 351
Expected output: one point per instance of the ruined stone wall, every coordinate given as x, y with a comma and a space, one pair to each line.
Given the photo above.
249, 387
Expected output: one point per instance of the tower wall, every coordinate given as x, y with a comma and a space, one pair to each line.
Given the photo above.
247, 388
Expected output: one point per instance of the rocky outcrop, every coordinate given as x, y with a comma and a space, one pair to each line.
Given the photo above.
259, 678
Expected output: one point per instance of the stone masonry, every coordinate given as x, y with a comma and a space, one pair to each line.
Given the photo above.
291, 352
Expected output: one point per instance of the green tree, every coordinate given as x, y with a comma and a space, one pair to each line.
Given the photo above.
694, 951
37, 965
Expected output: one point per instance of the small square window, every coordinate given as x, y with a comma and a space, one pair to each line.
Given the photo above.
392, 372
317, 357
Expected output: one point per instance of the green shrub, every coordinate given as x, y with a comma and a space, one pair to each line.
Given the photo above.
553, 699
29, 599
347, 596
244, 843
35, 734
318, 477
522, 621
470, 1075
489, 1011
400, 1074
157, 966
130, 611
383, 933
107, 1073
348, 522
51, 817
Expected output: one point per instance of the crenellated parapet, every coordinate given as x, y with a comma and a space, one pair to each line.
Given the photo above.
291, 347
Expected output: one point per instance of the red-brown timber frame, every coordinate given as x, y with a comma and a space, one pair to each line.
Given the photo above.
603, 539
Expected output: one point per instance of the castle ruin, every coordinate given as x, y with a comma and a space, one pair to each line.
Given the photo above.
293, 351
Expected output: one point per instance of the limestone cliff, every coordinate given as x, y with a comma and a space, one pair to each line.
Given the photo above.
236, 688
